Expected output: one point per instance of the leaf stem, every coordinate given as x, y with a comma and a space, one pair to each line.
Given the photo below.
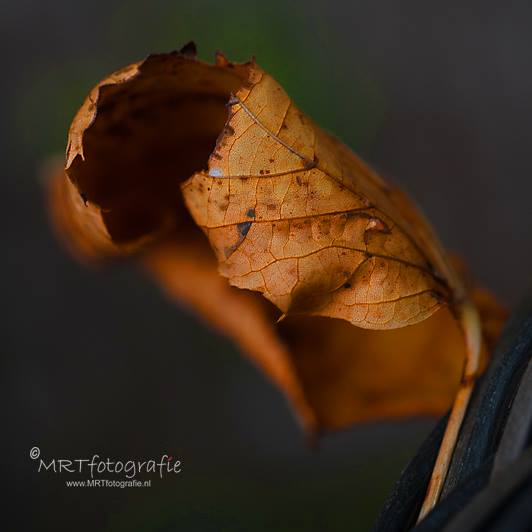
470, 324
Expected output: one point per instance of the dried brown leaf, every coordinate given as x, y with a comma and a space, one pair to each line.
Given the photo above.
290, 213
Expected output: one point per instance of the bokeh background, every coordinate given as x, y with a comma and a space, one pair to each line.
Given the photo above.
436, 96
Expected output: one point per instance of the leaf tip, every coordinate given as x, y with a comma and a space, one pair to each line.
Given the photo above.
189, 49
220, 59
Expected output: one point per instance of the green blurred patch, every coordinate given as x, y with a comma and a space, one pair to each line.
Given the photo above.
295, 45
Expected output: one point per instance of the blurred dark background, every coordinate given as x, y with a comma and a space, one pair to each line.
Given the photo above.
435, 96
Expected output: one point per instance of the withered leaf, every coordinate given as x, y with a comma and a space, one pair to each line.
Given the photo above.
293, 214
171, 144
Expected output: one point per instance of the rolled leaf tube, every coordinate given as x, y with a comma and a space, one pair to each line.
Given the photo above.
273, 231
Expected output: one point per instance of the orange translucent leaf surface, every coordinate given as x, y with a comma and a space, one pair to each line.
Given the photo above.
172, 154
293, 214
332, 373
